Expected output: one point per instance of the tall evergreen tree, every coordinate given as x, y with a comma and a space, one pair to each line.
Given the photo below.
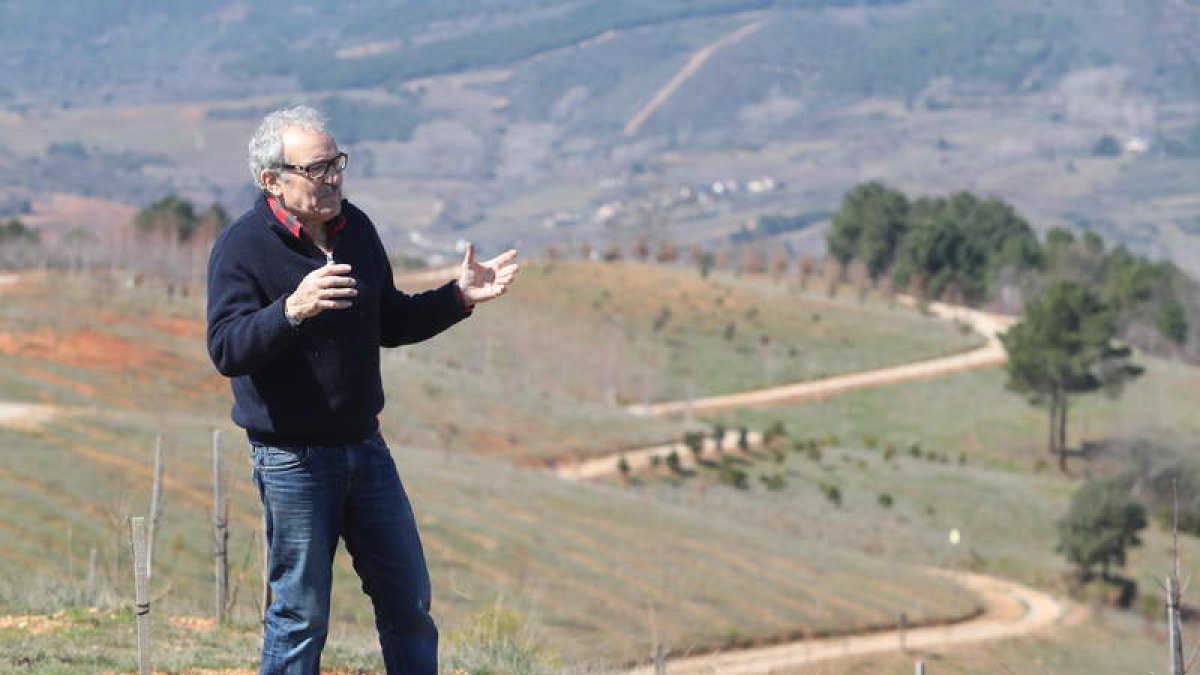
1065, 345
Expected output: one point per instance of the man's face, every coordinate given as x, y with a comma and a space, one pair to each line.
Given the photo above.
313, 202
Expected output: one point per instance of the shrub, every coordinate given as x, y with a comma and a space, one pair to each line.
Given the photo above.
885, 500
774, 482
494, 641
1101, 523
774, 431
673, 461
833, 493
718, 433
729, 474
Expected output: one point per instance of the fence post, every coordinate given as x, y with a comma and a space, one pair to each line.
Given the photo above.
137, 527
1173, 627
92, 582
220, 529
155, 499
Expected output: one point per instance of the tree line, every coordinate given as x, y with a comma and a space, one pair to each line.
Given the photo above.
964, 248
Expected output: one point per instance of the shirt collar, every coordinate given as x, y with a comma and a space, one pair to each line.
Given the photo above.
292, 223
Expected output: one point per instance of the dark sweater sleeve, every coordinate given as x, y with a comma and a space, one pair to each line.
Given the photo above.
412, 318
244, 330
405, 319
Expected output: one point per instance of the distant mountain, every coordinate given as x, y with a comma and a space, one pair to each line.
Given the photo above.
537, 120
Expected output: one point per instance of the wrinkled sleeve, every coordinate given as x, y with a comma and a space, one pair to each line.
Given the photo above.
405, 319
245, 329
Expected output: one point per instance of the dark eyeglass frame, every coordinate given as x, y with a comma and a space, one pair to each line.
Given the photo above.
319, 170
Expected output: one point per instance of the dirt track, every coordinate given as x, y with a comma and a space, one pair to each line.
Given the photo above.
990, 354
1010, 610
686, 73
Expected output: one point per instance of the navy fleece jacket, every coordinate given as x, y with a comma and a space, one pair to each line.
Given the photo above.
318, 383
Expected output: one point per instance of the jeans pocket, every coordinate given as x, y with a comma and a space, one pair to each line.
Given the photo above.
273, 458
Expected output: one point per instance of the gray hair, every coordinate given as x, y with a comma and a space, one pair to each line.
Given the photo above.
266, 146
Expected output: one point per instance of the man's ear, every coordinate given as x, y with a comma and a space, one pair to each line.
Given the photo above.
270, 181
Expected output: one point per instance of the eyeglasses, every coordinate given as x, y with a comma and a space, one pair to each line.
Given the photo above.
318, 170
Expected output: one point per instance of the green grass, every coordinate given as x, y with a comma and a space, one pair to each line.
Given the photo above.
582, 561
585, 566
555, 358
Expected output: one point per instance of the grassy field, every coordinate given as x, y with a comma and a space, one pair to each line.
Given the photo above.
594, 570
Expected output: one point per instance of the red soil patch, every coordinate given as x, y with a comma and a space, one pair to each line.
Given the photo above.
176, 326
85, 348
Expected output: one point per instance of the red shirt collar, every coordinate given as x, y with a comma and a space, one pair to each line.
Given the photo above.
292, 223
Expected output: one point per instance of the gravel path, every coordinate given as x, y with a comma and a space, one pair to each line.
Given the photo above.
1011, 610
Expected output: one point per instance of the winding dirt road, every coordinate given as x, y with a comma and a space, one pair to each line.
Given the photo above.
990, 354
1011, 610
987, 324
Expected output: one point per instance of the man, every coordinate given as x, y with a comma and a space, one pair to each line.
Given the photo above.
300, 299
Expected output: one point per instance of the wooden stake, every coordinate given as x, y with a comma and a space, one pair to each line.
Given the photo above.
220, 529
142, 608
155, 498
91, 577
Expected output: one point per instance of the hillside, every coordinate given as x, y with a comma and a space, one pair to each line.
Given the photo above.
510, 122
718, 565
125, 364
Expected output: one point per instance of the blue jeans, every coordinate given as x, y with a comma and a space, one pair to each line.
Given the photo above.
312, 496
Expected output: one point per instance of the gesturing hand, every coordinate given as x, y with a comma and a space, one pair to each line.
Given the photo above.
483, 281
327, 287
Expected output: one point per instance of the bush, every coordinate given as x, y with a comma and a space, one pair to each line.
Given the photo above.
718, 434
694, 440
833, 493
1101, 523
774, 482
494, 642
774, 431
673, 462
729, 474
885, 500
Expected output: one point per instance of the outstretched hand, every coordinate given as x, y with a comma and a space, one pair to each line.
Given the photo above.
483, 281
